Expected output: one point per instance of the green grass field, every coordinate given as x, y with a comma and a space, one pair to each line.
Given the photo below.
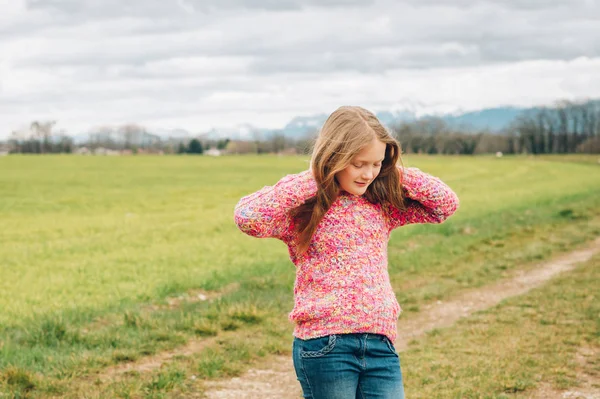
92, 248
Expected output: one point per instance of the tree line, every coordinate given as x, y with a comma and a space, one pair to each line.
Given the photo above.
566, 127
41, 140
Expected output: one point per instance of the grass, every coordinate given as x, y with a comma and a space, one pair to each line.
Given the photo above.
509, 350
578, 158
95, 247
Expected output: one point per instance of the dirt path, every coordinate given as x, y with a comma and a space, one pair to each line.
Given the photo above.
154, 362
277, 379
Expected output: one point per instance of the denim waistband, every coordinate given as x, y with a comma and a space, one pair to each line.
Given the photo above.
353, 335
363, 335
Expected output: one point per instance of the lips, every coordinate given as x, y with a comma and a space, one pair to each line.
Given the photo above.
360, 184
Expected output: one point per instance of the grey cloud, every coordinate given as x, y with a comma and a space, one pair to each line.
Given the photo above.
158, 7
424, 39
115, 8
510, 4
93, 82
178, 15
361, 61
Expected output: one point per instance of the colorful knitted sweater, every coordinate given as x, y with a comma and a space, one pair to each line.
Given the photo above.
342, 283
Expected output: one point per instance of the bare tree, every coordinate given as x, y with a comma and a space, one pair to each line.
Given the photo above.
132, 136
43, 132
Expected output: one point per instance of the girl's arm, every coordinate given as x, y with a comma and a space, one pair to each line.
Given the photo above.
265, 212
429, 200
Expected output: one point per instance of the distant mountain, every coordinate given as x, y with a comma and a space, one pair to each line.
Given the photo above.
80, 138
493, 119
137, 137
238, 132
176, 133
301, 125
390, 118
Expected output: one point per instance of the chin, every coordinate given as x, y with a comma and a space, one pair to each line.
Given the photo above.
355, 190
358, 191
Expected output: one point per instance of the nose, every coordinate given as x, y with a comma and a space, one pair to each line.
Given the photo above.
368, 174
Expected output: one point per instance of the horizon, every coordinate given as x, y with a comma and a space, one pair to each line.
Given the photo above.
160, 130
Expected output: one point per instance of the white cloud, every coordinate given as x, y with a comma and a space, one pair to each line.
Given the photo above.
194, 65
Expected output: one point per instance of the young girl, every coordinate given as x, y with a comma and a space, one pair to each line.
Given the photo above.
336, 219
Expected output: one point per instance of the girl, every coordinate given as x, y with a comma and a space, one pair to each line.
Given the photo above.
336, 219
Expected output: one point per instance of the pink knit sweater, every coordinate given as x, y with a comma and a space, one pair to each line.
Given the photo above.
342, 283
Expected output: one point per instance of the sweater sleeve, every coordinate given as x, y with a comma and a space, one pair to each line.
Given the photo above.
429, 200
265, 212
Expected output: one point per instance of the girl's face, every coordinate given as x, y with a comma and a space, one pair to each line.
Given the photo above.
363, 169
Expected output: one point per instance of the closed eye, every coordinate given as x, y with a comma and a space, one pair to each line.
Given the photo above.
377, 165
360, 165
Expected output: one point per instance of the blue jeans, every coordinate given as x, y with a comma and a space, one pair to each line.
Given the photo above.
348, 366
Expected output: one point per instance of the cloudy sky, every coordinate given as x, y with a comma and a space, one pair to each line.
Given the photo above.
197, 64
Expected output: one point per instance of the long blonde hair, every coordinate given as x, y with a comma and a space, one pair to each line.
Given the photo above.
346, 132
